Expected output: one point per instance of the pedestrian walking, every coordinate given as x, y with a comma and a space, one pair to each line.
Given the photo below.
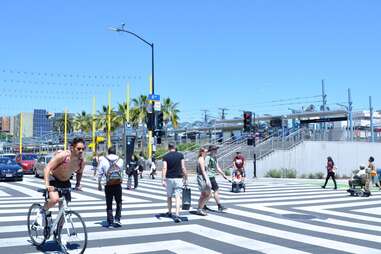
95, 162
239, 164
203, 181
110, 172
373, 173
132, 172
331, 172
141, 164
174, 176
212, 168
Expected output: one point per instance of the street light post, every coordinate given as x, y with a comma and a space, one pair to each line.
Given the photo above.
152, 86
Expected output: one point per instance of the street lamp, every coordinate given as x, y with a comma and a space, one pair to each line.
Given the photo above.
122, 29
152, 88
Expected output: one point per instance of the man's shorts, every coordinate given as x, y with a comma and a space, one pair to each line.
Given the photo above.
174, 186
214, 183
60, 184
202, 184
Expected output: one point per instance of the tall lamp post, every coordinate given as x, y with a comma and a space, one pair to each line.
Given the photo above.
152, 85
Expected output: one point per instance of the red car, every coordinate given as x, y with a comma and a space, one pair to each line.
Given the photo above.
26, 161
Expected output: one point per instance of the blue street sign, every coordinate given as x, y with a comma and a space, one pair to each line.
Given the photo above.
154, 97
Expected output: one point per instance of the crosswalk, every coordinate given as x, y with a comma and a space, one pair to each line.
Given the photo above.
272, 216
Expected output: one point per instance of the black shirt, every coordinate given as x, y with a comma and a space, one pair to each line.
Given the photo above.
174, 168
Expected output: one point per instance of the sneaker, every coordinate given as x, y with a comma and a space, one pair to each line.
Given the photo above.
168, 214
201, 212
323, 187
177, 219
221, 208
109, 224
207, 208
117, 223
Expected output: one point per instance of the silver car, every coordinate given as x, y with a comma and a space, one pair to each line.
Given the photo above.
40, 165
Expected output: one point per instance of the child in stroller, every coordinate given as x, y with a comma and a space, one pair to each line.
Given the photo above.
238, 181
357, 183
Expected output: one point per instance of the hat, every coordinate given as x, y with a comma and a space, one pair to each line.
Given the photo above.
212, 148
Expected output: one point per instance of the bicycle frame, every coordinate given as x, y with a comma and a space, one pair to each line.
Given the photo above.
63, 208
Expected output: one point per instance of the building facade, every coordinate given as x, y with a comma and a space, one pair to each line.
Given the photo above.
27, 130
5, 122
41, 124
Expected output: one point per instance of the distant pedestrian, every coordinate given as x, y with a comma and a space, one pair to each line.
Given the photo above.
153, 169
110, 171
174, 176
95, 162
203, 181
239, 164
132, 172
141, 164
212, 168
331, 172
373, 173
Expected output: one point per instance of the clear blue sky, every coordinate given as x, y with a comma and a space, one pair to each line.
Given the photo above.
209, 54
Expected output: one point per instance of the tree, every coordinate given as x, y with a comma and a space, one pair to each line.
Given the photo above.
83, 122
102, 119
171, 112
59, 124
139, 111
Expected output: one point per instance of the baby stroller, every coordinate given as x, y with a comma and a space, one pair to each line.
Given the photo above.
357, 183
238, 182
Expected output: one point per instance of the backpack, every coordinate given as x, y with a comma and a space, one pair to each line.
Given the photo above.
114, 174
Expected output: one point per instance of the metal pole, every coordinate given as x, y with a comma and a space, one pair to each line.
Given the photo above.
255, 155
350, 115
324, 97
371, 119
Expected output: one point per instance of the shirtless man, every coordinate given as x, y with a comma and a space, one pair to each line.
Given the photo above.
59, 170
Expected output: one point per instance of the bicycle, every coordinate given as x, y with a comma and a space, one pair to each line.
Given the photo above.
67, 227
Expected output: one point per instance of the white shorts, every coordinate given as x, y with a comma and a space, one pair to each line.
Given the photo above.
174, 186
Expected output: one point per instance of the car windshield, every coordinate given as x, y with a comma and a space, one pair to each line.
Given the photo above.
6, 161
29, 157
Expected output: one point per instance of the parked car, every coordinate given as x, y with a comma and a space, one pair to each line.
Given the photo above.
26, 161
10, 170
40, 164
11, 156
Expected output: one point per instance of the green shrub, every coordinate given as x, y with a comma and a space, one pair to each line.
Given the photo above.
228, 171
303, 176
291, 173
274, 173
311, 176
319, 175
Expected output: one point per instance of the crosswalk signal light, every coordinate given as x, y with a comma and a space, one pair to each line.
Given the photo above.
247, 121
160, 120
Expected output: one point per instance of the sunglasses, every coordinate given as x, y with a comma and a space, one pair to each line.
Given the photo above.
80, 148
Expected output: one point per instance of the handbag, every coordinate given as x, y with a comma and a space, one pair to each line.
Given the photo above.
334, 169
373, 173
186, 200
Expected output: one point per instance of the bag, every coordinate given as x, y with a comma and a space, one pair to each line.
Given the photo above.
373, 173
114, 174
334, 169
186, 198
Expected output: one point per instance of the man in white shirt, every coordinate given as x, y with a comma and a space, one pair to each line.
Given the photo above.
110, 172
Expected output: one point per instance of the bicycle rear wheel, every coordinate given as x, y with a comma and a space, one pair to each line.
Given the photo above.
36, 225
72, 235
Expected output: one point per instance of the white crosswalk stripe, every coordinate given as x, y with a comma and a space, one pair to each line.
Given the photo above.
270, 217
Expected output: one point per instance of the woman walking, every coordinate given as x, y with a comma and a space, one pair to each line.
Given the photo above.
203, 181
330, 172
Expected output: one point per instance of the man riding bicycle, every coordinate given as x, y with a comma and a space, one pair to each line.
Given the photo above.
59, 170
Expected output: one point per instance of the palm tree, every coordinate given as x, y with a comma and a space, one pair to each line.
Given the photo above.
83, 122
139, 111
102, 120
170, 112
59, 123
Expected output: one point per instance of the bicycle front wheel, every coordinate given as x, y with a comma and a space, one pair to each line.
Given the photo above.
36, 225
72, 234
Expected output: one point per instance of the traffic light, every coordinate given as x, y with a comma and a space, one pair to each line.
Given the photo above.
160, 120
247, 121
150, 121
